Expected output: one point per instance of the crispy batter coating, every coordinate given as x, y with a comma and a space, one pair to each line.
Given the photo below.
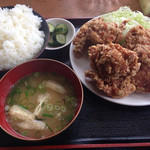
112, 60
100, 32
97, 31
137, 36
116, 88
113, 68
80, 40
142, 79
143, 52
138, 40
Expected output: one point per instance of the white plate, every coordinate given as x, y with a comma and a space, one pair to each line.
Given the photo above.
80, 65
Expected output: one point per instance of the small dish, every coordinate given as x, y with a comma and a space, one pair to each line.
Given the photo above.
70, 34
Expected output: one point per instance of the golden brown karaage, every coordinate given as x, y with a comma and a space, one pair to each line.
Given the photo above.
142, 79
118, 71
138, 40
97, 31
113, 66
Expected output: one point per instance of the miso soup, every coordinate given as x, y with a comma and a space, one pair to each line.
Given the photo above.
40, 104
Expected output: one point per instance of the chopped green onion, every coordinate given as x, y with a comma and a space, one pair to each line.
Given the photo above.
23, 107
14, 96
57, 107
67, 98
42, 90
36, 74
32, 91
73, 99
26, 94
41, 86
49, 127
63, 109
27, 86
49, 107
43, 104
17, 90
48, 115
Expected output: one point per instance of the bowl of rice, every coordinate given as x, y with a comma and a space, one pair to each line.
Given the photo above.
24, 35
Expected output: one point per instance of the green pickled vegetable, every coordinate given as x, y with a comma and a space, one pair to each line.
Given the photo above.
47, 115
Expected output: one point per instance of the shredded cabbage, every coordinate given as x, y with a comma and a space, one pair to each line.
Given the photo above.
125, 13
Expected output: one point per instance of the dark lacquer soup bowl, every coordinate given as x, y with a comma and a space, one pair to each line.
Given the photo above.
37, 93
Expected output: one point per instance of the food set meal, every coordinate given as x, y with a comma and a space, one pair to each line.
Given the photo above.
117, 45
118, 49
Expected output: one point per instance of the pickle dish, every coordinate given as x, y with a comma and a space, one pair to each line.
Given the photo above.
62, 33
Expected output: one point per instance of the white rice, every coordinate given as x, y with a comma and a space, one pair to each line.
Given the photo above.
20, 37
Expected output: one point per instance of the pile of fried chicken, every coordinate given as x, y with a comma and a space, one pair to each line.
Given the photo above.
120, 65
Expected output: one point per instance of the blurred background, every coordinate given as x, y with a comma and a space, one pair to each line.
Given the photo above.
74, 8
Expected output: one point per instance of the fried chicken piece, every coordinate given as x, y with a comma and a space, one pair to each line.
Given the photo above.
100, 32
97, 31
113, 68
116, 88
137, 36
143, 52
80, 40
142, 79
112, 60
138, 40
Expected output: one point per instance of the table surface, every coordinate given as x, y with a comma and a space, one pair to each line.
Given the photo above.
102, 123
74, 8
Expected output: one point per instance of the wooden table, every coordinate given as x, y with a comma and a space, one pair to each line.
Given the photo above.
73, 8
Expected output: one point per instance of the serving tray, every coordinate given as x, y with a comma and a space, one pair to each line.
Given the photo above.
99, 124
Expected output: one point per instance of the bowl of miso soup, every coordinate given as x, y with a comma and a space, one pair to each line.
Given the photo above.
39, 99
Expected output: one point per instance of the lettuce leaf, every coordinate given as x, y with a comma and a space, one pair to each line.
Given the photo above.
125, 13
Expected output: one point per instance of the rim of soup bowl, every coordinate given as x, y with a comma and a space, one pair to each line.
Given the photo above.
3, 122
